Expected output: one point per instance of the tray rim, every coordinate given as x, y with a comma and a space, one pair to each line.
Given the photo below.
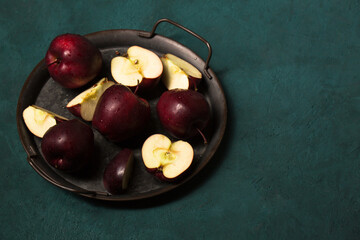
100, 195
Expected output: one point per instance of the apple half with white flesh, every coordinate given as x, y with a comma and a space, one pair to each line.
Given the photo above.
167, 160
39, 120
140, 67
118, 172
84, 104
178, 73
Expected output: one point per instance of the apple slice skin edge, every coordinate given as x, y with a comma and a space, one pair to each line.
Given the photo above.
160, 176
194, 83
75, 110
147, 84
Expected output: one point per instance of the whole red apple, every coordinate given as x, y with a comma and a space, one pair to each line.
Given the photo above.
69, 145
72, 60
120, 114
183, 112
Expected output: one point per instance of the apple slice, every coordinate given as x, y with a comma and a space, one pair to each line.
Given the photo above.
179, 74
140, 67
167, 160
84, 104
39, 120
118, 172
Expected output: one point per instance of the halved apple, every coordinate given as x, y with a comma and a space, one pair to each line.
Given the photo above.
84, 104
140, 67
167, 160
178, 73
39, 120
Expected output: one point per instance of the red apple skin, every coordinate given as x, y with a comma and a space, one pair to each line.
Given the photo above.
68, 146
120, 114
75, 110
146, 84
60, 120
183, 112
194, 83
149, 83
72, 60
114, 176
159, 174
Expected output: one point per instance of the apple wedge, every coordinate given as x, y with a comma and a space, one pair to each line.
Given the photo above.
39, 120
179, 74
84, 104
140, 67
167, 160
118, 172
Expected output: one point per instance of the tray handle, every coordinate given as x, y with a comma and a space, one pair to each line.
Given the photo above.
152, 33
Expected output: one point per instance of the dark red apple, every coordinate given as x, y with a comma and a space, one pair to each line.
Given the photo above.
69, 145
183, 113
72, 60
120, 114
118, 172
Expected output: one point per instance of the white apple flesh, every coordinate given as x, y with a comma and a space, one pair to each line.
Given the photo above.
167, 160
140, 67
39, 120
178, 73
84, 104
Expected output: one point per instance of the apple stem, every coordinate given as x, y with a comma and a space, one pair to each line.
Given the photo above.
57, 60
202, 135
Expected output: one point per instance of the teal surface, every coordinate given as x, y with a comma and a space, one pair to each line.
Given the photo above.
288, 167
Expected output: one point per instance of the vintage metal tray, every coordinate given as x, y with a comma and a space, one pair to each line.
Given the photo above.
40, 89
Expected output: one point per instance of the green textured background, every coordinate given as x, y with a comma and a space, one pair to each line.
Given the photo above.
288, 167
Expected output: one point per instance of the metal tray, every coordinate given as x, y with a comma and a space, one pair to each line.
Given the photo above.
40, 89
